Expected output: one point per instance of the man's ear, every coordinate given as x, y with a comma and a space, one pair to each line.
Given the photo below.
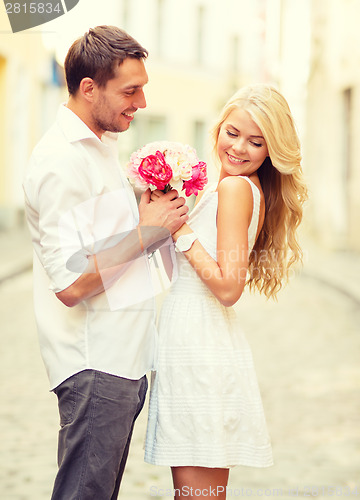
86, 88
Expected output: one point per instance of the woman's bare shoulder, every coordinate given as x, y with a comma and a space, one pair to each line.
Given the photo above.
234, 186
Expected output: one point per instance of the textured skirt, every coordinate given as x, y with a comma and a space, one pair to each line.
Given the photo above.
205, 405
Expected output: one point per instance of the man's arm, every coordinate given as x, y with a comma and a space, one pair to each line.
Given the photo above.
157, 221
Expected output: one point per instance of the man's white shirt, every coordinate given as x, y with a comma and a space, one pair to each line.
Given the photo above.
77, 198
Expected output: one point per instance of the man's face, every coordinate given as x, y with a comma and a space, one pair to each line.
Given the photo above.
115, 104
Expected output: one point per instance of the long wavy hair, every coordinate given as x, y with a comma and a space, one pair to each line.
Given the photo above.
276, 248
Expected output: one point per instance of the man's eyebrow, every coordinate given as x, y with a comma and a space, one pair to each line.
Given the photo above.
132, 87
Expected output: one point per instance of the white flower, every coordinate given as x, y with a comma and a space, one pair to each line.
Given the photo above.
181, 158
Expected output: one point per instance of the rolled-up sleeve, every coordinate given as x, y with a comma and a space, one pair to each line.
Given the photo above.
54, 186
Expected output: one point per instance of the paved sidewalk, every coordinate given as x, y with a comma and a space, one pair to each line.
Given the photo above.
15, 252
339, 269
306, 349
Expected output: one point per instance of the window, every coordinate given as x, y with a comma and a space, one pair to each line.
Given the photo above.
200, 33
199, 139
3, 143
159, 27
126, 14
347, 106
235, 54
347, 147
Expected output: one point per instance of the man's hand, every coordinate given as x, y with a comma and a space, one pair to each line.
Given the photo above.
168, 211
158, 218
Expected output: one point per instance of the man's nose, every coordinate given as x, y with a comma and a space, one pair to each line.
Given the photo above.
140, 101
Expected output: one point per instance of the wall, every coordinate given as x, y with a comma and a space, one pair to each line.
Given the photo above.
333, 123
25, 75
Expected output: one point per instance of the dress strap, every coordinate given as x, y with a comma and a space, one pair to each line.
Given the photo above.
255, 214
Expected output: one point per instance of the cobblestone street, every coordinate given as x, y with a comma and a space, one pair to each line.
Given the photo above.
101, 103
307, 350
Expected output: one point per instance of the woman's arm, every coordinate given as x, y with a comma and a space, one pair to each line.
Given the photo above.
226, 277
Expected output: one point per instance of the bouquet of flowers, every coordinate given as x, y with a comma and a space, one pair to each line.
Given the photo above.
166, 165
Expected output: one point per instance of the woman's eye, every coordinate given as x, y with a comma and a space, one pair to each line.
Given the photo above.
230, 134
256, 144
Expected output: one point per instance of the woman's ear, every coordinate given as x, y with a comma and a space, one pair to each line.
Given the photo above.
86, 88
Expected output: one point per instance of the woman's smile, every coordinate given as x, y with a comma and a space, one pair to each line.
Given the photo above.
233, 159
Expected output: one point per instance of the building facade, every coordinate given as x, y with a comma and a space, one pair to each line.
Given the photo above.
200, 52
198, 56
332, 123
28, 84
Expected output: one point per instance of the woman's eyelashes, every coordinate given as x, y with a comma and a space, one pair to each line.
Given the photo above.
231, 134
253, 143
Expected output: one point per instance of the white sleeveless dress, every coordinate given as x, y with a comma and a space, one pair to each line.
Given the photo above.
205, 406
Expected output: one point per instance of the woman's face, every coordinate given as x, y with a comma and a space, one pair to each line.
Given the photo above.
241, 146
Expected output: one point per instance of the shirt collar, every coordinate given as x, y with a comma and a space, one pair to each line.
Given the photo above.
76, 130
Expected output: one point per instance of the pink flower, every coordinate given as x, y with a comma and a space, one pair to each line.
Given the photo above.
197, 181
154, 170
167, 165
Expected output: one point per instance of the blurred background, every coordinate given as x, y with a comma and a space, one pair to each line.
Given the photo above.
200, 52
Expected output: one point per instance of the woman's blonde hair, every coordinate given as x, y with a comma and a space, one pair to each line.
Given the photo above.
277, 247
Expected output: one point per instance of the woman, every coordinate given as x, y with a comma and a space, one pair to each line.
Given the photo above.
206, 413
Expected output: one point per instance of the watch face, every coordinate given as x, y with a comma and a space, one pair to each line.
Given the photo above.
185, 241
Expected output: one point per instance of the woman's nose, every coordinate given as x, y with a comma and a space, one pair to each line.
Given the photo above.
240, 146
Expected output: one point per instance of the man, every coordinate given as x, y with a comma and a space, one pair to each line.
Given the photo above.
96, 349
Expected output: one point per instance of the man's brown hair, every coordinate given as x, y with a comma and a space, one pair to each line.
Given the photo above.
96, 55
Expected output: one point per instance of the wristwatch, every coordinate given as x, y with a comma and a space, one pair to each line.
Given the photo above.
184, 242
